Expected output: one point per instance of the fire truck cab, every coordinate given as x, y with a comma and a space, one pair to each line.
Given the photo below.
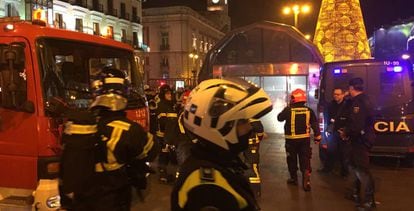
39, 64
389, 85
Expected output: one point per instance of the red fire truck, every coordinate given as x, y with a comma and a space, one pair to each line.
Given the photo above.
37, 65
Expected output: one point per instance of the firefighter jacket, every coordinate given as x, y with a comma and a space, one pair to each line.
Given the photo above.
175, 133
152, 105
360, 120
299, 120
125, 141
211, 179
165, 112
77, 164
122, 142
258, 130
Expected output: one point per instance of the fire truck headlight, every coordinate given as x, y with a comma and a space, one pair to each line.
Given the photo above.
9, 27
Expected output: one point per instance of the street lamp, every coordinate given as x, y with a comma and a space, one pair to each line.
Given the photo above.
193, 56
296, 9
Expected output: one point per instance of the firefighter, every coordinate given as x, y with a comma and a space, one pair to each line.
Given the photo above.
359, 132
152, 99
176, 135
252, 156
217, 114
299, 120
122, 143
165, 113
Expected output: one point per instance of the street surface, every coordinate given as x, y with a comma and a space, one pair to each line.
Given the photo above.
395, 185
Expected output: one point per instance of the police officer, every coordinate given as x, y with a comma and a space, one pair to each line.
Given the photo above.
217, 114
359, 131
299, 120
336, 117
252, 155
122, 142
165, 113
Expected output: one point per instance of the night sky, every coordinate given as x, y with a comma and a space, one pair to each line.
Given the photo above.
376, 13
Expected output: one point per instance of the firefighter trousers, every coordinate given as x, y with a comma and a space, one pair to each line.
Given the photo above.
298, 148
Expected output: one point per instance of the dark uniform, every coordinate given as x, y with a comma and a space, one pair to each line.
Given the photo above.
299, 120
210, 172
336, 117
152, 105
121, 144
252, 155
359, 131
126, 143
213, 178
165, 113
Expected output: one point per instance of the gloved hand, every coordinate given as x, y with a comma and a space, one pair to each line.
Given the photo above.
343, 135
317, 139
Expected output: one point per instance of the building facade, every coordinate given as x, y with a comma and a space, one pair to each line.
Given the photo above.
179, 38
115, 19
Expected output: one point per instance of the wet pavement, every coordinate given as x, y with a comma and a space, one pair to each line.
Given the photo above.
395, 185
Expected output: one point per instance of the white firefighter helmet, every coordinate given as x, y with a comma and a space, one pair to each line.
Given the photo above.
215, 106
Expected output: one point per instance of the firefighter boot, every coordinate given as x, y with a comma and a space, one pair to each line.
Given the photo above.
163, 175
256, 189
293, 180
306, 181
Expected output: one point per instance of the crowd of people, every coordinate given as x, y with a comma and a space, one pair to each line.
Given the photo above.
207, 142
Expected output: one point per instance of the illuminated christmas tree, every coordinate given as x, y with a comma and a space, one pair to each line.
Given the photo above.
340, 32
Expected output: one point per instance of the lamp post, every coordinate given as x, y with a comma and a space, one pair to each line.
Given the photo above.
296, 9
193, 56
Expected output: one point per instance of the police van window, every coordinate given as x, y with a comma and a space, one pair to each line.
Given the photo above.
391, 83
340, 76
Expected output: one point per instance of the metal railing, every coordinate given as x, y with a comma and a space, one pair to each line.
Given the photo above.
136, 19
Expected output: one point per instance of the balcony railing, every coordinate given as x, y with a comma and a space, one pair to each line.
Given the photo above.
82, 3
97, 7
136, 19
164, 47
125, 16
113, 12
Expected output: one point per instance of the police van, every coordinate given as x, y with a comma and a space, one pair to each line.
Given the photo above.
389, 85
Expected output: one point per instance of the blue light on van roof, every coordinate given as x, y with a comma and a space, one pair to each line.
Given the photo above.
398, 69
337, 71
395, 69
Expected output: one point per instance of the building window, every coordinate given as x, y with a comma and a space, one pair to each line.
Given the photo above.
11, 10
134, 15
59, 21
135, 39
124, 36
97, 6
205, 47
147, 60
110, 32
79, 25
201, 46
146, 35
164, 61
164, 41
194, 41
96, 30
123, 13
